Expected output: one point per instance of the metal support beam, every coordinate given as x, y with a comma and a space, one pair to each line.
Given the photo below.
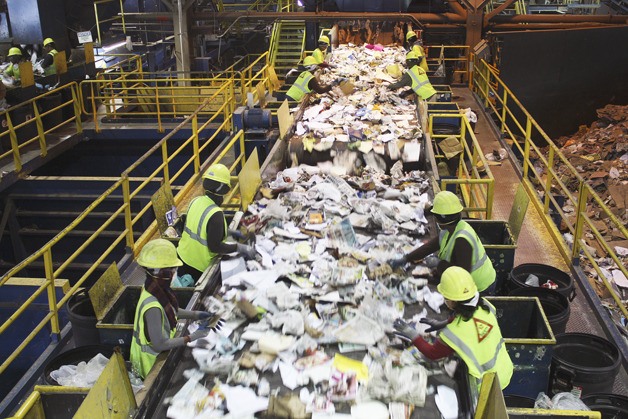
475, 23
181, 44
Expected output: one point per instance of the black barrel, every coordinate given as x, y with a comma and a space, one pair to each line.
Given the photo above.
519, 401
555, 305
583, 361
612, 406
83, 319
520, 273
74, 357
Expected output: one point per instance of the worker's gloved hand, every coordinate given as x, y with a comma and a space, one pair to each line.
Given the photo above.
404, 331
199, 334
398, 263
203, 315
434, 324
246, 251
236, 234
431, 261
405, 93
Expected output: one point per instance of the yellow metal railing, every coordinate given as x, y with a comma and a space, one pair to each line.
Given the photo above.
477, 188
133, 94
28, 123
126, 191
115, 18
545, 185
461, 62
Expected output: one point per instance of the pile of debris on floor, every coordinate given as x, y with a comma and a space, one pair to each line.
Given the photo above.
600, 155
309, 321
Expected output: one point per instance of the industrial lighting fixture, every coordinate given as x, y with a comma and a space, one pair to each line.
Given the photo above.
111, 47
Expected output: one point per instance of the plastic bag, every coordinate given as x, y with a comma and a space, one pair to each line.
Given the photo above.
567, 401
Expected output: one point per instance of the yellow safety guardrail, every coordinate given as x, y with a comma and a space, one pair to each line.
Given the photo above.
461, 61
477, 189
544, 184
126, 191
25, 127
116, 95
115, 18
129, 63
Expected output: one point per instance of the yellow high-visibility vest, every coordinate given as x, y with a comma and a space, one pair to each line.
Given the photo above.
420, 83
300, 87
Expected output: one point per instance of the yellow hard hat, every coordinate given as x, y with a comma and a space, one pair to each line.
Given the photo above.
410, 34
48, 41
456, 284
157, 254
14, 51
446, 203
309, 60
412, 56
218, 172
324, 39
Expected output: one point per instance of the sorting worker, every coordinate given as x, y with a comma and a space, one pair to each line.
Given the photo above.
15, 58
320, 52
457, 245
416, 78
414, 45
472, 332
307, 81
205, 231
157, 310
48, 64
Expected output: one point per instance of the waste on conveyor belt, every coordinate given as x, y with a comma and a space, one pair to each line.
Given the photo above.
309, 322
361, 117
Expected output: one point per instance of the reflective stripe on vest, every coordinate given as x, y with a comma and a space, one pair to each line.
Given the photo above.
482, 269
419, 51
300, 87
420, 83
463, 338
192, 247
143, 355
52, 68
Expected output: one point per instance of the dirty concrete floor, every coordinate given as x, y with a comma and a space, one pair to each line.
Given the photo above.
535, 245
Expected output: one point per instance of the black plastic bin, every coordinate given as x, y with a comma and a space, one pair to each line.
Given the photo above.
545, 273
612, 406
555, 305
74, 357
83, 319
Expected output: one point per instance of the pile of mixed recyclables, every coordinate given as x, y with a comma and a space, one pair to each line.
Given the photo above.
309, 322
373, 122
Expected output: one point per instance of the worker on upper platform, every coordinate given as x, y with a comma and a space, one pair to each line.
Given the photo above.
158, 311
307, 81
15, 58
320, 52
457, 245
416, 78
472, 332
415, 45
205, 230
48, 63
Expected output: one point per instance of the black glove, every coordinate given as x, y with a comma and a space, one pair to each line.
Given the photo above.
397, 263
404, 331
247, 251
434, 324
202, 315
199, 334
406, 93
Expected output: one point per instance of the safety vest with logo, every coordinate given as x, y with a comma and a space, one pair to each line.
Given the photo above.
192, 247
300, 87
143, 355
482, 269
420, 83
419, 51
479, 343
52, 68
319, 56
13, 70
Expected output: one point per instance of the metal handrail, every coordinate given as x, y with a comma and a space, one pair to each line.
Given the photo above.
35, 118
98, 21
507, 109
462, 62
123, 188
477, 190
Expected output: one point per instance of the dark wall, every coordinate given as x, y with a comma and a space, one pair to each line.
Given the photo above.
562, 77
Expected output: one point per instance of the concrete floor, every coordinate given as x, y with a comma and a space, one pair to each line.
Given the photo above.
535, 245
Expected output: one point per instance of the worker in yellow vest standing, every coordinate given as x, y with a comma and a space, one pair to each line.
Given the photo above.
205, 232
320, 52
414, 45
15, 58
48, 64
457, 245
158, 311
471, 332
416, 78
307, 81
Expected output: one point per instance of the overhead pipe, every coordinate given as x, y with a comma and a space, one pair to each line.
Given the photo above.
543, 26
416, 18
617, 19
457, 8
497, 10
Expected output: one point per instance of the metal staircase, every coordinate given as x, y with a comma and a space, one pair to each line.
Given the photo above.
518, 7
286, 46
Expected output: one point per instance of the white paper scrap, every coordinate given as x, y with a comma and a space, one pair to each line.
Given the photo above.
242, 401
447, 402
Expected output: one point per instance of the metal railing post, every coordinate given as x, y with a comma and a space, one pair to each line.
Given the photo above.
548, 181
77, 98
40, 130
197, 157
582, 208
128, 217
526, 147
52, 296
164, 157
14, 145
504, 113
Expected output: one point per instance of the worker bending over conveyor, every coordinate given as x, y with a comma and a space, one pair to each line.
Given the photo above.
472, 332
415, 45
416, 78
457, 245
158, 310
15, 58
307, 81
205, 232
48, 64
